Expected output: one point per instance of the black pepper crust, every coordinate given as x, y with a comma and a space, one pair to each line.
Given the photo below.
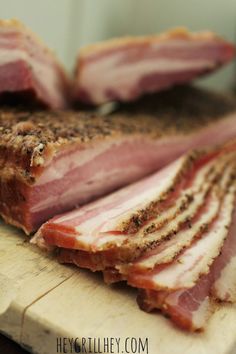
29, 138
181, 109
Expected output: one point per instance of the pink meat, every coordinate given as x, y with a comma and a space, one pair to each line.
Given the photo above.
124, 69
28, 69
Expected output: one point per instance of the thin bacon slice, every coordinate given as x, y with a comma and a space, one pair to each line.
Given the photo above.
126, 68
28, 69
224, 287
188, 309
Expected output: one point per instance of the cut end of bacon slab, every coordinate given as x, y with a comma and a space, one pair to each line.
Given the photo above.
29, 71
126, 68
52, 162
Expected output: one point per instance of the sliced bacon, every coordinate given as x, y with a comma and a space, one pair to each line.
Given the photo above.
85, 229
126, 68
28, 69
183, 282
193, 262
98, 250
190, 309
168, 250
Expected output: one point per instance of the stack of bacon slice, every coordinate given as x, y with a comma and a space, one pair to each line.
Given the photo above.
28, 69
125, 68
170, 235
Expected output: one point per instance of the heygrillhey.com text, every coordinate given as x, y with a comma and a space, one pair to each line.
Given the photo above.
116, 345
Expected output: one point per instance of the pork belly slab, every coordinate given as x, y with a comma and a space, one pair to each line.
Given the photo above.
170, 235
126, 68
54, 161
29, 71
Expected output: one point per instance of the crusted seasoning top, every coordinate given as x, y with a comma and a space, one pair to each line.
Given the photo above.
29, 138
182, 109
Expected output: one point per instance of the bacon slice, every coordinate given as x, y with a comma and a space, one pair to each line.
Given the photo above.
224, 287
126, 68
28, 69
49, 166
190, 309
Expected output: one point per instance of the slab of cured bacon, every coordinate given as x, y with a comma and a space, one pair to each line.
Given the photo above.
126, 68
53, 161
171, 235
48, 167
29, 71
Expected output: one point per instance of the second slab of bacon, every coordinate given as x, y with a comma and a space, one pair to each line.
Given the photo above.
125, 68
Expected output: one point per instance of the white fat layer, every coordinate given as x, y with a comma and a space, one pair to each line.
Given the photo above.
225, 285
195, 261
84, 189
62, 165
199, 316
44, 74
108, 73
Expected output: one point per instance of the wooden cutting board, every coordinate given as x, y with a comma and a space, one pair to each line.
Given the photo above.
42, 302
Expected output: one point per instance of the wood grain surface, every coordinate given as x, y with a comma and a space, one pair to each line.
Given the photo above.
42, 301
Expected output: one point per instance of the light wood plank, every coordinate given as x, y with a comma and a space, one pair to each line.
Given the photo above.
90, 308
26, 274
44, 300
